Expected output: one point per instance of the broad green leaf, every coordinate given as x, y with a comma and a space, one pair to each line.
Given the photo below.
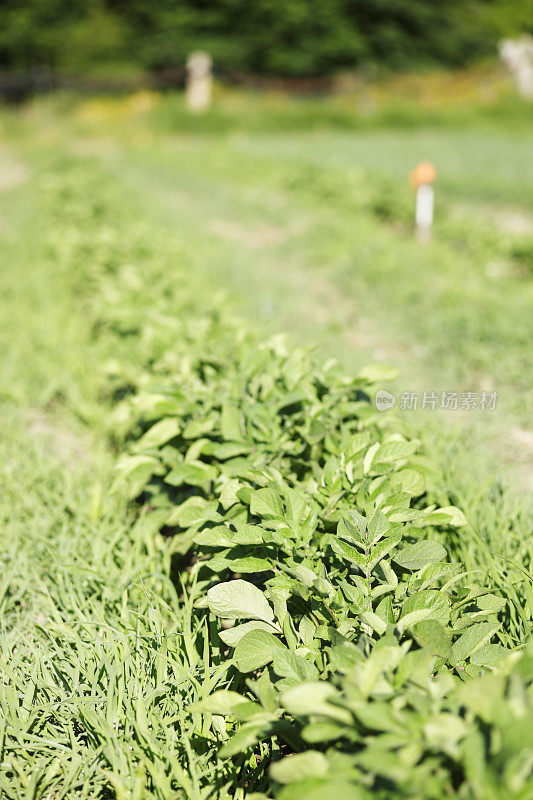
347, 551
220, 536
378, 525
299, 766
311, 698
249, 564
231, 423
449, 515
490, 603
352, 527
412, 618
232, 636
394, 451
228, 494
246, 736
431, 634
266, 503
199, 427
444, 731
385, 610
431, 599
160, 433
247, 534
193, 511
489, 655
408, 480
375, 622
473, 639
191, 474
382, 549
369, 457
291, 665
239, 600
256, 649
320, 732
296, 504
378, 717
134, 472
226, 450
415, 556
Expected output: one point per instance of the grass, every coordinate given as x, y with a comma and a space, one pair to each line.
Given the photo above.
306, 230
98, 654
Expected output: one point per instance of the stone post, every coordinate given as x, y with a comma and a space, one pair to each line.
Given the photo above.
517, 55
199, 82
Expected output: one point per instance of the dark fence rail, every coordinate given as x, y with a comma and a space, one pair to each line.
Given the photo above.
17, 87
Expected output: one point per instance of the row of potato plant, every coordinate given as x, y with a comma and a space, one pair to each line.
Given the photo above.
304, 522
361, 659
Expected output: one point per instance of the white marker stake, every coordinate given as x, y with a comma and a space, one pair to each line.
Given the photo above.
424, 210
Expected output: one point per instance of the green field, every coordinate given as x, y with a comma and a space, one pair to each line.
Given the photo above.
128, 238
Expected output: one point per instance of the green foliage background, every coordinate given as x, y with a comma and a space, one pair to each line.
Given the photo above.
277, 37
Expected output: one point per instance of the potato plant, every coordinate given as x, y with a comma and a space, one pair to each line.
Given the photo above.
348, 649
305, 521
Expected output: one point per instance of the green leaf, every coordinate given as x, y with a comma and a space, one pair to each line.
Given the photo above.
214, 537
228, 494
347, 551
291, 665
193, 511
449, 515
489, 655
226, 450
375, 622
299, 766
160, 433
432, 599
473, 639
232, 636
239, 600
369, 457
249, 564
256, 649
191, 474
135, 472
378, 717
352, 527
381, 549
408, 480
432, 635
247, 534
266, 503
415, 556
311, 698
246, 736
231, 423
320, 732
394, 451
378, 525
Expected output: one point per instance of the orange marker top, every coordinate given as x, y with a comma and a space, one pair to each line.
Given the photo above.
423, 173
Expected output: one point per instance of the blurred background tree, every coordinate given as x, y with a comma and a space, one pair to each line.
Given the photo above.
272, 37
